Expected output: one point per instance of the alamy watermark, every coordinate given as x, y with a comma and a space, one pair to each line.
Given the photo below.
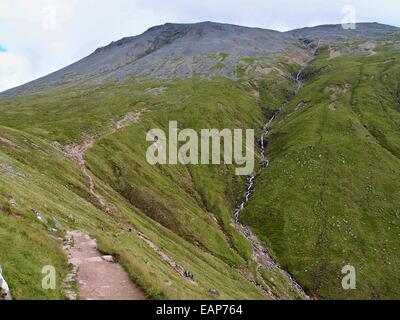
349, 18
349, 280
49, 279
190, 147
49, 18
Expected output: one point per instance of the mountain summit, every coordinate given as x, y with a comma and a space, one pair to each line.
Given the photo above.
207, 49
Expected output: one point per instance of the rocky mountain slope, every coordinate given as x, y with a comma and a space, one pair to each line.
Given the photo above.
207, 49
73, 157
172, 50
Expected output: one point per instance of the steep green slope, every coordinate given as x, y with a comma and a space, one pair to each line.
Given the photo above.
328, 199
184, 211
331, 195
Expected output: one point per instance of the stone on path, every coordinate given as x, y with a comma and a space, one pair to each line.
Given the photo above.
98, 277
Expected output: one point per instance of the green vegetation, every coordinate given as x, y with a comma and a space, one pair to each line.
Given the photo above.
186, 211
330, 197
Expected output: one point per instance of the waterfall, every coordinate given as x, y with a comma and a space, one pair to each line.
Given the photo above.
252, 178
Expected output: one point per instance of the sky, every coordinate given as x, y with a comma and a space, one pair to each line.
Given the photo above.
38, 37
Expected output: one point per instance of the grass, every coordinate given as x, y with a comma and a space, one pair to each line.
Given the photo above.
330, 197
186, 211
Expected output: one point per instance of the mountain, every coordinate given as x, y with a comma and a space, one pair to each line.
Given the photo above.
183, 50
172, 50
73, 158
335, 33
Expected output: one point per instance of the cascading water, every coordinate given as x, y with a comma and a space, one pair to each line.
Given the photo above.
260, 253
264, 162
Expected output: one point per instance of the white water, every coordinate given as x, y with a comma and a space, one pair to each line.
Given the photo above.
251, 179
260, 253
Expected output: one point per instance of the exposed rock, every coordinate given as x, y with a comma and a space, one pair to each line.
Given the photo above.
57, 224
214, 292
188, 274
39, 216
108, 258
335, 33
19, 214
334, 53
335, 91
9, 171
5, 293
368, 47
182, 50
333, 106
170, 51
300, 106
156, 91
129, 118
9, 143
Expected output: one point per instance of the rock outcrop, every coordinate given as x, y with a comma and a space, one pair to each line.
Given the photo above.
5, 293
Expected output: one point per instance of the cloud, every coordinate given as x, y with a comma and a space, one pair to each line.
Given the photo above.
14, 70
46, 35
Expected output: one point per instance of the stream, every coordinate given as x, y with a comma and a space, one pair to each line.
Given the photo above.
265, 162
260, 253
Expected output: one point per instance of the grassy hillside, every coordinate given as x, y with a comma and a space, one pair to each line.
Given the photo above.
185, 211
328, 199
331, 195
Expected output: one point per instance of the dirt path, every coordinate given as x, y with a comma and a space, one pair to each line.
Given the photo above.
130, 117
98, 277
77, 153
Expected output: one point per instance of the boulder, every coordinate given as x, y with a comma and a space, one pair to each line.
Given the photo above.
108, 258
213, 291
57, 224
5, 293
39, 216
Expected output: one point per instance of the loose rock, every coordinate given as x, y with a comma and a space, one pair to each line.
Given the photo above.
5, 293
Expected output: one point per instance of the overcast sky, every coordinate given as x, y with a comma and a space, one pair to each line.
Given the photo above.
41, 36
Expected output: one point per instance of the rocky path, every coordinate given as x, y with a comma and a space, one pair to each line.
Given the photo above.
98, 277
77, 153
